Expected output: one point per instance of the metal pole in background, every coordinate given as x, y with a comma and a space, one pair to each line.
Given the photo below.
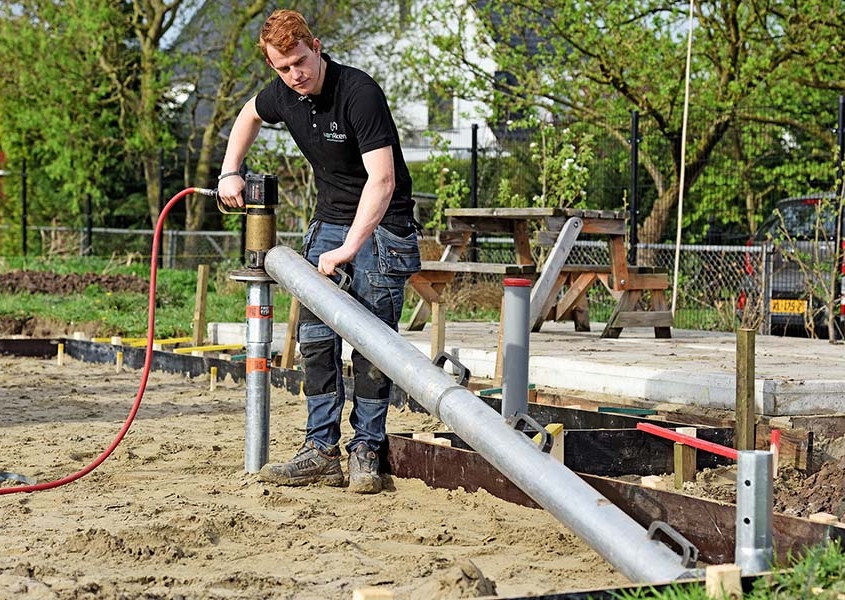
840, 184
635, 192
23, 207
473, 188
160, 202
515, 309
89, 226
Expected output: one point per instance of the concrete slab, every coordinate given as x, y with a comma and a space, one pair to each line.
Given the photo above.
794, 376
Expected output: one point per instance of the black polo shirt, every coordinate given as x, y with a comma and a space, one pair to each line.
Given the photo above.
332, 130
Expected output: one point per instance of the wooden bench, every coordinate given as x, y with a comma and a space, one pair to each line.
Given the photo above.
431, 281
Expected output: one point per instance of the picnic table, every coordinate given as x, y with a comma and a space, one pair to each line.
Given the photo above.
639, 291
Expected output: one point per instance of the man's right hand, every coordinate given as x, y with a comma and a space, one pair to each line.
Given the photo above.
230, 191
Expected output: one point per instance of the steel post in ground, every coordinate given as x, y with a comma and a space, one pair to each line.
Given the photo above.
516, 309
754, 508
603, 526
259, 338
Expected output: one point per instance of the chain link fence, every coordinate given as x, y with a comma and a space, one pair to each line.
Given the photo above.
720, 287
711, 279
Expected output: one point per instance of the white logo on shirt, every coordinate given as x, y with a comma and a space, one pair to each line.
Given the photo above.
333, 135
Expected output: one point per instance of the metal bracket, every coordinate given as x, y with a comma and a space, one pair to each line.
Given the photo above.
344, 280
690, 552
530, 427
463, 373
6, 476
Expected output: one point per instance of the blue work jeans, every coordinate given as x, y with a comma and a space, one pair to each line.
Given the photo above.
378, 275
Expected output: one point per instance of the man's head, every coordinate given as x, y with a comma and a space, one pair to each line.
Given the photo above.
283, 30
292, 51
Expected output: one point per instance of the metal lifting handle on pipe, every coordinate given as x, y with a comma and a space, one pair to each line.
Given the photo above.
588, 514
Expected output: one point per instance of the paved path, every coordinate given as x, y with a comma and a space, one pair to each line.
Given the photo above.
794, 376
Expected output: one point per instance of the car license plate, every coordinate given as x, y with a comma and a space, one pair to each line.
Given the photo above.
789, 306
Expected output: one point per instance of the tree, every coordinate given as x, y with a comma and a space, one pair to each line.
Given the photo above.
596, 61
57, 111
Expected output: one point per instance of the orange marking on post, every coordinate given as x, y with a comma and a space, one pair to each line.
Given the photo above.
257, 365
256, 311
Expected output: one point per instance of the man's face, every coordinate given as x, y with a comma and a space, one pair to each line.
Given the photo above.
300, 68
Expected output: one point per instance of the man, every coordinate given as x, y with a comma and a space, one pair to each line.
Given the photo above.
339, 118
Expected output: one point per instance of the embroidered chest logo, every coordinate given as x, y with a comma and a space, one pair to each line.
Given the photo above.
332, 135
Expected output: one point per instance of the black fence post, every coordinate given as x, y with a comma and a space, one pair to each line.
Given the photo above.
840, 170
634, 203
23, 207
160, 261
473, 187
89, 227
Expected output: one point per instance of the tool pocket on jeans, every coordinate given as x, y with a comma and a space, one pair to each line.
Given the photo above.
397, 255
313, 227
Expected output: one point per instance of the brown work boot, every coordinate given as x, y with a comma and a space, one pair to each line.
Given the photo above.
310, 465
364, 477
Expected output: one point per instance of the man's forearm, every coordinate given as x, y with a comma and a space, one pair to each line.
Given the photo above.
243, 134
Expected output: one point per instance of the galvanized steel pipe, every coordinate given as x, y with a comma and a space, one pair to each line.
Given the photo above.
515, 307
259, 338
588, 514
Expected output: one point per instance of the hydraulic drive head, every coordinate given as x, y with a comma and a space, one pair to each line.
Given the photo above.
261, 197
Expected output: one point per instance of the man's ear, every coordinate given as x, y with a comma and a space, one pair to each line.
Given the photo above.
316, 45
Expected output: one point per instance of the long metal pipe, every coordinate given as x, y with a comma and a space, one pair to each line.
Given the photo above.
588, 514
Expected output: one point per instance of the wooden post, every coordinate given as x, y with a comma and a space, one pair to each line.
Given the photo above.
289, 349
438, 327
499, 368
723, 581
198, 324
685, 458
745, 418
372, 593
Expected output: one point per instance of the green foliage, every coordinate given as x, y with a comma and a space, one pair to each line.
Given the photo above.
126, 313
452, 188
57, 111
818, 574
595, 62
564, 164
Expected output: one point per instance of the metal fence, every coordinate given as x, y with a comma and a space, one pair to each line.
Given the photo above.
713, 280
710, 279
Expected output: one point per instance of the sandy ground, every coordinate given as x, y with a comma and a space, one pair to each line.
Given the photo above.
172, 514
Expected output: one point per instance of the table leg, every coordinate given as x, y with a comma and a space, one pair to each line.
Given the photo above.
419, 317
658, 304
627, 302
438, 328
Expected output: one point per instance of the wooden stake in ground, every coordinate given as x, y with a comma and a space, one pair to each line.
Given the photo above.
744, 428
198, 323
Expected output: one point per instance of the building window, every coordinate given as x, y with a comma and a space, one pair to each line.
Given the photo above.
440, 109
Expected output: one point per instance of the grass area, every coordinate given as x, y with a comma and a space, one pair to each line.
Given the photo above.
818, 575
126, 313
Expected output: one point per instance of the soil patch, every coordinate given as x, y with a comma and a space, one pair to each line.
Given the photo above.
172, 514
45, 282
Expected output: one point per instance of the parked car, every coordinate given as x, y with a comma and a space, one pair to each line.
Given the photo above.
800, 242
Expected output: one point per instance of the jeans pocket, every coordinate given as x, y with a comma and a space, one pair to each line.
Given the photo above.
397, 255
308, 239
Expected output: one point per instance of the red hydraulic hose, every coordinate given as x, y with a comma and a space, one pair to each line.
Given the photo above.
145, 374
